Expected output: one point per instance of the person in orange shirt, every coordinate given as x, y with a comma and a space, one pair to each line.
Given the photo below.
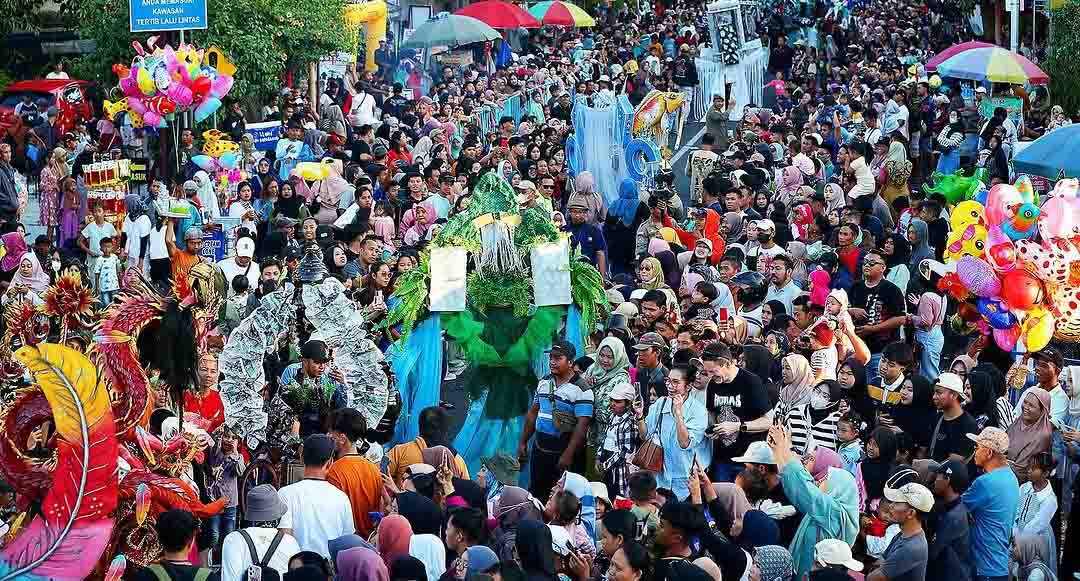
355, 475
434, 431
183, 259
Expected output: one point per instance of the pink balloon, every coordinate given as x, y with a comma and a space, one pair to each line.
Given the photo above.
978, 277
1001, 198
152, 119
1000, 250
1006, 338
129, 87
180, 94
1060, 216
221, 86
137, 105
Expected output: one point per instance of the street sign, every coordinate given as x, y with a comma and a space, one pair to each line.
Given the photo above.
162, 15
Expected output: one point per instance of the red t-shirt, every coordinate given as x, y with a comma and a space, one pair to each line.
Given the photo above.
209, 407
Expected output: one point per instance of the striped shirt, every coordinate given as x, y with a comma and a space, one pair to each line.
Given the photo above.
805, 437
568, 398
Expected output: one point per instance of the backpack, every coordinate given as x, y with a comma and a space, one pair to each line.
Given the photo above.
162, 573
268, 572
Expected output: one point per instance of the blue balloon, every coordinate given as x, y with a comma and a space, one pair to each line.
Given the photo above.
228, 160
206, 109
997, 313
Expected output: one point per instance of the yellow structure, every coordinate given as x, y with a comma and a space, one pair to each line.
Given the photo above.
372, 16
214, 57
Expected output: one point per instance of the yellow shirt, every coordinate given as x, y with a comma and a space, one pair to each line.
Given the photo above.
404, 455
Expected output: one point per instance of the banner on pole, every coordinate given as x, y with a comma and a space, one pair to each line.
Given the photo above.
163, 15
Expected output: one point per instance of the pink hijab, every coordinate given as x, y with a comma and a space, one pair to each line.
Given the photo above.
790, 183
824, 459
361, 564
395, 533
38, 281
16, 246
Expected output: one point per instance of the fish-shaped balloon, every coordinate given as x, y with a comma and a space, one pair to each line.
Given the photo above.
1024, 222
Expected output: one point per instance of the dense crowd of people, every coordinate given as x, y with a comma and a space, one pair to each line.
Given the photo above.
782, 389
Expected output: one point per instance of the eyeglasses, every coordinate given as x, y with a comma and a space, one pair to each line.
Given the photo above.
873, 263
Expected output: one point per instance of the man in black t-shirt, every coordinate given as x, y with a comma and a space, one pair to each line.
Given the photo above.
735, 398
176, 531
878, 310
949, 437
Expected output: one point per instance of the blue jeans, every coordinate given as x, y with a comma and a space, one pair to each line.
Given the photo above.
725, 472
872, 368
221, 525
932, 341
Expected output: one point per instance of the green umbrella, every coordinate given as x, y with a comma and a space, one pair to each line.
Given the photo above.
450, 30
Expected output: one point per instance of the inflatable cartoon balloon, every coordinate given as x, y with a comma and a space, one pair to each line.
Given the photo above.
996, 313
978, 277
1007, 338
207, 108
966, 213
1000, 250
221, 86
1021, 289
1037, 329
969, 240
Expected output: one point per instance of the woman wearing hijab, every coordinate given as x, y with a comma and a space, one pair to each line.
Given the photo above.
879, 463
775, 563
732, 227
669, 264
758, 360
796, 250
422, 513
650, 274
928, 319
534, 551
439, 456
623, 218
1058, 119
733, 499
429, 548
997, 162
514, 506
612, 367
798, 384
897, 171
791, 180
950, 139
29, 277
407, 568
289, 204
1030, 433
916, 410
360, 564
813, 426
852, 379
585, 188
394, 535
830, 509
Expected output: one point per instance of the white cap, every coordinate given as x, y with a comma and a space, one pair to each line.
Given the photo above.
835, 552
624, 391
756, 453
980, 89
912, 493
245, 247
766, 225
952, 382
559, 539
637, 294
599, 491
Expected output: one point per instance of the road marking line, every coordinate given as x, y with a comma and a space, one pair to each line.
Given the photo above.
686, 148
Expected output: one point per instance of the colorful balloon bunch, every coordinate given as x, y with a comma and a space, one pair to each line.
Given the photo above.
166, 81
1019, 262
221, 159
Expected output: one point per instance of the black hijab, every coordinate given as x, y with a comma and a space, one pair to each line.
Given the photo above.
984, 396
901, 251
758, 360
406, 568
534, 550
289, 206
860, 400
422, 512
876, 470
918, 418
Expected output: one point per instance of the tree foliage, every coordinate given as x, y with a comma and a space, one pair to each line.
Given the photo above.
1062, 64
263, 38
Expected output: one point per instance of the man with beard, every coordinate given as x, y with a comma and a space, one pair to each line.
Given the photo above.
738, 410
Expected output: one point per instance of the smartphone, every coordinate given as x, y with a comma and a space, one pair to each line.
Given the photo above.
723, 314
254, 573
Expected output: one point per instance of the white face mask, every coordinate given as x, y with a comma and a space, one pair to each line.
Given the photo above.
56, 265
953, 118
818, 401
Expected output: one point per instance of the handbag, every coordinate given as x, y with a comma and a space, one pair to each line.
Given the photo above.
650, 455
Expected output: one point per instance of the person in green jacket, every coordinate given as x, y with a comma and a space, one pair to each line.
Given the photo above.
830, 503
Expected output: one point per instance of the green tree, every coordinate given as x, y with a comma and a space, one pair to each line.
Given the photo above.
263, 38
1062, 64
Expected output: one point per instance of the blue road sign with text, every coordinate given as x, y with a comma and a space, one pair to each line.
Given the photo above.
162, 15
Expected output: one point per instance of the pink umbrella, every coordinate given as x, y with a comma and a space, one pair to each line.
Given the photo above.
931, 65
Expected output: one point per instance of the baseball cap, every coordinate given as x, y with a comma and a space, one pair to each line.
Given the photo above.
323, 233
1050, 354
756, 453
623, 391
957, 473
994, 438
980, 89
766, 225
315, 350
651, 340
379, 151
284, 222
191, 186
914, 494
526, 186
836, 552
193, 233
951, 382
563, 347
577, 201
245, 247
293, 253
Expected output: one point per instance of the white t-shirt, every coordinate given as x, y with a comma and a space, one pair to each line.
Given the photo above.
318, 511
158, 248
238, 209
135, 232
94, 234
236, 557
230, 269
362, 110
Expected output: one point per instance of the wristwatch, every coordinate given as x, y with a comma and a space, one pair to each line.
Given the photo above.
742, 427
